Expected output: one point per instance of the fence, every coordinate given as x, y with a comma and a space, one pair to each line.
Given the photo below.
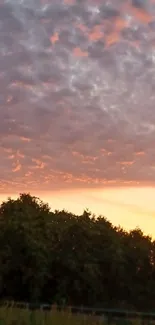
110, 316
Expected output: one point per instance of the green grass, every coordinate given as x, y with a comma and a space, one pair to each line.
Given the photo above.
17, 316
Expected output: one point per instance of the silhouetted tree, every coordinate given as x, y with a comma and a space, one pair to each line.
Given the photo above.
80, 260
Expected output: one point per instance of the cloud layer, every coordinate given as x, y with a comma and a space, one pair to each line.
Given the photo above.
77, 93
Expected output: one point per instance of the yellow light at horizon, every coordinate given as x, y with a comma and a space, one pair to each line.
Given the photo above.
127, 207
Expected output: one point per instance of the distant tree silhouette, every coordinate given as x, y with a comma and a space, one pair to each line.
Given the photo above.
59, 257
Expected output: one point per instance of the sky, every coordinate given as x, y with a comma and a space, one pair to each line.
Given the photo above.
77, 105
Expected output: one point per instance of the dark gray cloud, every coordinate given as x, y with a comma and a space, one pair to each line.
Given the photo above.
140, 3
77, 93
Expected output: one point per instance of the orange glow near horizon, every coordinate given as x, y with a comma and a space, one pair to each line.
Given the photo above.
77, 106
127, 207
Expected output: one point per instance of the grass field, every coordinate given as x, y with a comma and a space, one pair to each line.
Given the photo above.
17, 316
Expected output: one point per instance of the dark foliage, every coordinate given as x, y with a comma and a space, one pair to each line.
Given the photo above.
58, 257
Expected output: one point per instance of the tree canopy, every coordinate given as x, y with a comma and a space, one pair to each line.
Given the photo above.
58, 257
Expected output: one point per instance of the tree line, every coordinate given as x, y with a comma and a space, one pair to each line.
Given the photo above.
59, 257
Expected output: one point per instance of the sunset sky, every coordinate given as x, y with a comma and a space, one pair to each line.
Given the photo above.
77, 106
